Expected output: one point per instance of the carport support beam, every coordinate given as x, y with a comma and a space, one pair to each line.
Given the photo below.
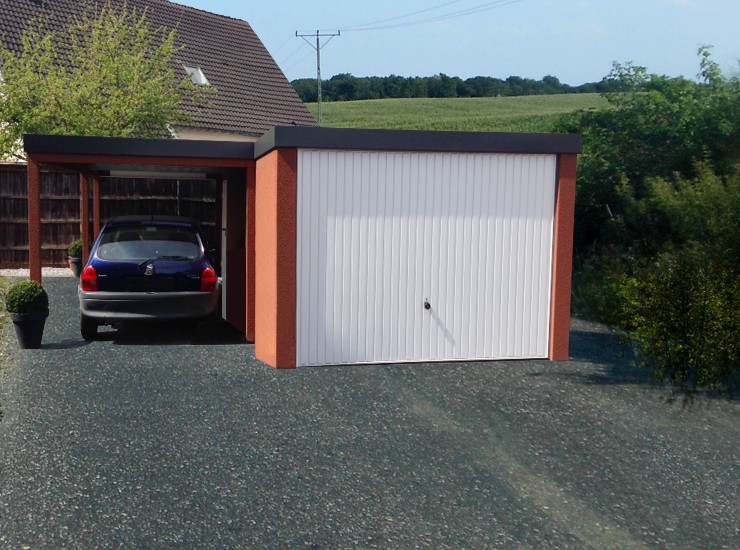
34, 219
96, 205
85, 215
563, 258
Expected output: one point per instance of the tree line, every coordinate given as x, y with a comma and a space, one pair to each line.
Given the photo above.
346, 87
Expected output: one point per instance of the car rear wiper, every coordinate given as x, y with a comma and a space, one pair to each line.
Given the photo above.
173, 258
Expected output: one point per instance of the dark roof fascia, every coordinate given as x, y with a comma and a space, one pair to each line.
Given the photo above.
174, 148
300, 137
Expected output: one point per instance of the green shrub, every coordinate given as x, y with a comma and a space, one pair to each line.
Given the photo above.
683, 315
27, 297
75, 249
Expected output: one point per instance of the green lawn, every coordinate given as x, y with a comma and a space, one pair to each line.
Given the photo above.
488, 114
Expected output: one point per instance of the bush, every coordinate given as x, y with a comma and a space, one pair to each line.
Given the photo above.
75, 249
27, 297
683, 315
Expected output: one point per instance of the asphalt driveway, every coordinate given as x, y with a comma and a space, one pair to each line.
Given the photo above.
162, 439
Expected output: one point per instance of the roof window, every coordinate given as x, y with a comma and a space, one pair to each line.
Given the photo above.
196, 75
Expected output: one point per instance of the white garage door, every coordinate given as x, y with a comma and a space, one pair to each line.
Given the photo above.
382, 234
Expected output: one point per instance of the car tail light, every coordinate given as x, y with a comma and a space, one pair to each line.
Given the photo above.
208, 280
89, 279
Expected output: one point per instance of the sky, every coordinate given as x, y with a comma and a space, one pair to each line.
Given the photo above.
574, 40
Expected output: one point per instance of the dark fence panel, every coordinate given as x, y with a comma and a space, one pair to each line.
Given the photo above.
60, 209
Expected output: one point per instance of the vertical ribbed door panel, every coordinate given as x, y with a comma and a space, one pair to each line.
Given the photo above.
382, 233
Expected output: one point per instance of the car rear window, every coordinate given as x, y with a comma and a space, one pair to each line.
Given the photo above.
149, 242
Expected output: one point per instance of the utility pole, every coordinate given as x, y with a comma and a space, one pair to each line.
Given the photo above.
318, 47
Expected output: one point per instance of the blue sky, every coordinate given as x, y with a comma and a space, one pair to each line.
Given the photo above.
574, 40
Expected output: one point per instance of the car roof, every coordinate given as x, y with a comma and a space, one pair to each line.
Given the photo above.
133, 220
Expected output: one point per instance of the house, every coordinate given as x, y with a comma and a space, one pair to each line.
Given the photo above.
253, 93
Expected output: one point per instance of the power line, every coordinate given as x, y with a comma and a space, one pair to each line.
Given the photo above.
353, 27
443, 17
291, 54
296, 63
281, 46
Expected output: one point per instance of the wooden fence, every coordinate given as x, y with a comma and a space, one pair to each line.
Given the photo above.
60, 209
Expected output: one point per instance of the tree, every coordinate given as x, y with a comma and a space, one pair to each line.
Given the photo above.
110, 75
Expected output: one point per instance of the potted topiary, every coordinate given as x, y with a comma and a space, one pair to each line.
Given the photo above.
74, 251
28, 305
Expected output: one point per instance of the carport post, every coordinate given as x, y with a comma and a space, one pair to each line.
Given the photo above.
96, 205
34, 219
85, 215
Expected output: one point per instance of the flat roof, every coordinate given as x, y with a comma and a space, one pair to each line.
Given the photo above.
302, 137
416, 140
137, 147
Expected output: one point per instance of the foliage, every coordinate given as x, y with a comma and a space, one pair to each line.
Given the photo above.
26, 297
683, 313
346, 87
659, 127
75, 249
657, 234
110, 75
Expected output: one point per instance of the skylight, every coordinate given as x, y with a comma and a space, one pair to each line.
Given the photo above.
196, 75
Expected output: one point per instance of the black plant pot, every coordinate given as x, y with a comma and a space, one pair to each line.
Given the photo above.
29, 328
75, 264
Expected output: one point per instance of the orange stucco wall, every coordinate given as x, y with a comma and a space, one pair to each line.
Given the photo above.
275, 265
563, 259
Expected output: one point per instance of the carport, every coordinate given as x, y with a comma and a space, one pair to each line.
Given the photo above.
94, 158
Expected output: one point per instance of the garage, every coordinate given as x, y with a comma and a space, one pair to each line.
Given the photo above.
346, 246
412, 246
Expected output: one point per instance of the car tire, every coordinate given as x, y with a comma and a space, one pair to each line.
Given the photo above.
88, 328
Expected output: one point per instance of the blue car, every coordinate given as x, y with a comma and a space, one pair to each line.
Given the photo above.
147, 268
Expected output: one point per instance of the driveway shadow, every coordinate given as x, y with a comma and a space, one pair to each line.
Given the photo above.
606, 349
206, 333
67, 343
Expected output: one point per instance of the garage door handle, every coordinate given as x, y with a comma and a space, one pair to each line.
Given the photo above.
427, 305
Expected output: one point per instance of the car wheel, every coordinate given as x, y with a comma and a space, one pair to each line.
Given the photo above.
88, 328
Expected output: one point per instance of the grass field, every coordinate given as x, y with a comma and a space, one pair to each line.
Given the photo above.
488, 114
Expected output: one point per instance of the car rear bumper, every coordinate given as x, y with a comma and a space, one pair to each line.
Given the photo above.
147, 306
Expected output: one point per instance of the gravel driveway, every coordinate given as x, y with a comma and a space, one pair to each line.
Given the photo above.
161, 440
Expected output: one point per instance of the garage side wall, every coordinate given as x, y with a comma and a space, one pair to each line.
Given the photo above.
563, 260
275, 264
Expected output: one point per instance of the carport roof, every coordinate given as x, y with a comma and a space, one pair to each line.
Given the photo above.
101, 154
132, 151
